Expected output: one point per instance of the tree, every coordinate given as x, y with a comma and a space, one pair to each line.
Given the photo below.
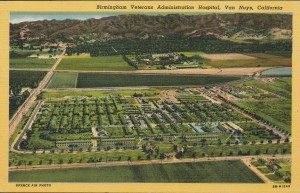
194, 155
257, 152
162, 156
270, 141
129, 159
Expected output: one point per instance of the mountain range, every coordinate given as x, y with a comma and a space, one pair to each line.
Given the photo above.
237, 26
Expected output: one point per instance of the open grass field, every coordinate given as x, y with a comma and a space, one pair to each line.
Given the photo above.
90, 80
277, 112
243, 63
190, 54
63, 80
110, 63
148, 92
209, 172
31, 63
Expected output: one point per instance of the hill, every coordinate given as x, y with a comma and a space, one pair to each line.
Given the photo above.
237, 26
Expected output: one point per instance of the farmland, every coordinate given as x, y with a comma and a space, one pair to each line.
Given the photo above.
63, 80
242, 63
276, 112
280, 86
90, 80
31, 63
166, 98
277, 170
101, 63
18, 80
232, 172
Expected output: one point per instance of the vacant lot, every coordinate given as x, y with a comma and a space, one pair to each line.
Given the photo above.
231, 172
63, 80
31, 63
90, 80
111, 63
232, 56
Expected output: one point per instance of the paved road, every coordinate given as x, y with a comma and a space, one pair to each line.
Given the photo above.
16, 119
244, 159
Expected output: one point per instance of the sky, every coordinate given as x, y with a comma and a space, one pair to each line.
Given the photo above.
17, 17
20, 17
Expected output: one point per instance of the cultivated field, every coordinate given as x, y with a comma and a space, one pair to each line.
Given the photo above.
279, 86
22, 79
232, 56
277, 112
90, 80
243, 63
282, 60
31, 63
101, 63
190, 54
63, 80
232, 172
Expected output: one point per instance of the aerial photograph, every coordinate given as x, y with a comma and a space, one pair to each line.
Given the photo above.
150, 98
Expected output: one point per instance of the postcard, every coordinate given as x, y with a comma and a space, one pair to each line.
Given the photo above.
150, 96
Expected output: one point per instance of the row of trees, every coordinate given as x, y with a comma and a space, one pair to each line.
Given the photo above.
174, 43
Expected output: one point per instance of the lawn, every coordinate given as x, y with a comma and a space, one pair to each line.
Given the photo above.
90, 80
277, 112
243, 63
31, 63
63, 80
208, 172
102, 63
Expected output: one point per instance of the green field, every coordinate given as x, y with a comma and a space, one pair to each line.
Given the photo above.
31, 63
148, 92
243, 63
281, 86
277, 112
286, 54
63, 80
102, 63
190, 54
90, 80
208, 172
22, 79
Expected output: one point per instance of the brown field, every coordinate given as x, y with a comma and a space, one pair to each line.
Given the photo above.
231, 56
276, 59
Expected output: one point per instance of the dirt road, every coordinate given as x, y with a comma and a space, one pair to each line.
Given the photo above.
213, 71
